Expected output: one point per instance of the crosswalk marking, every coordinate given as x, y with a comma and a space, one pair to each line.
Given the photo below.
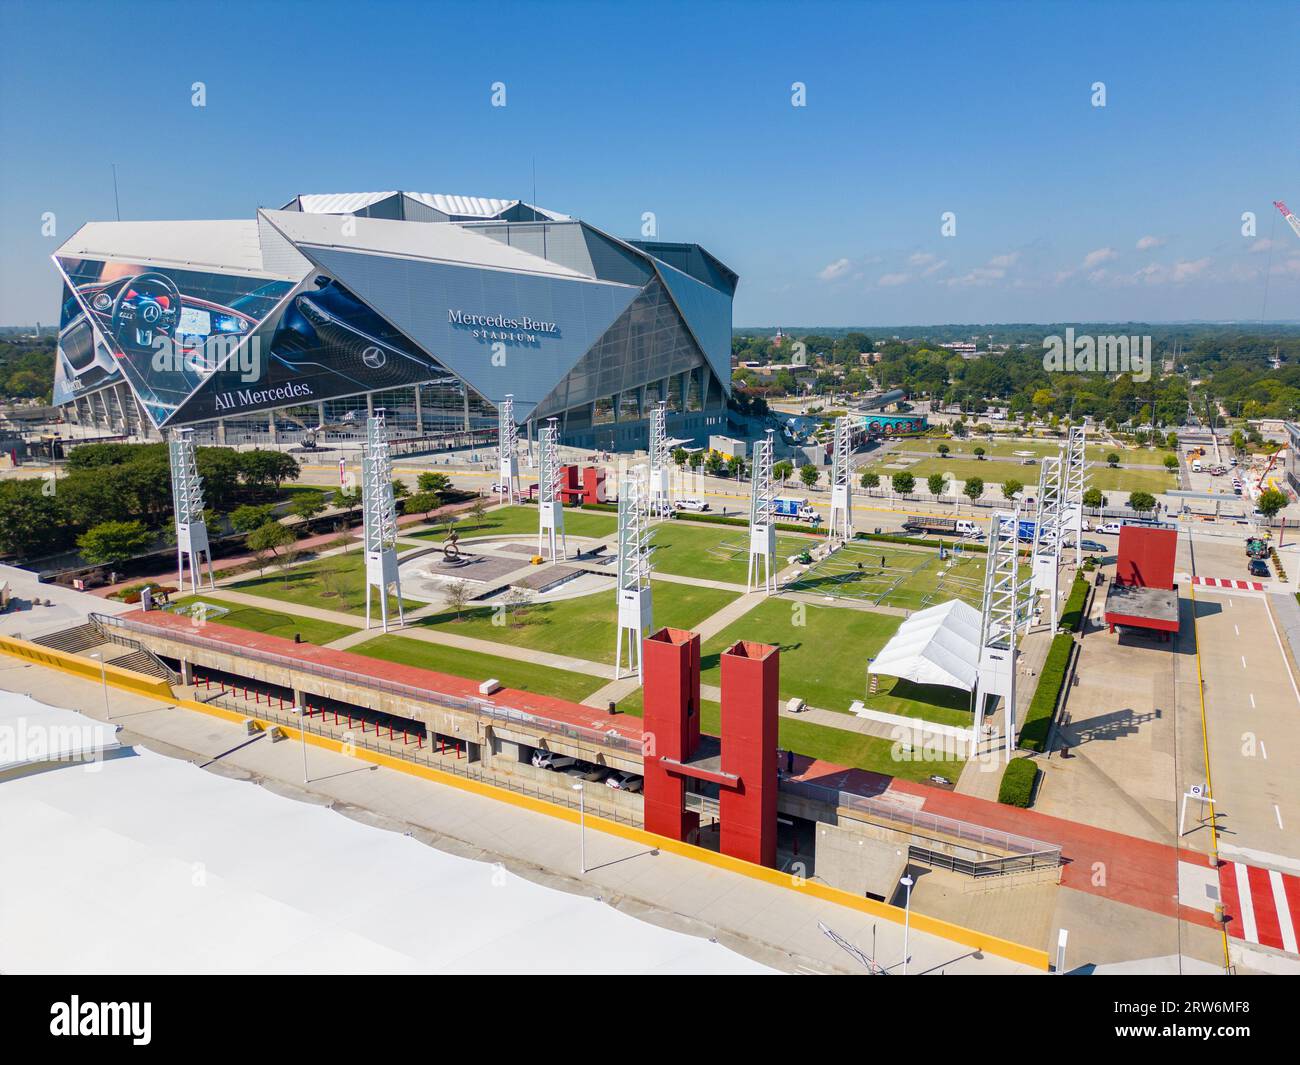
1262, 905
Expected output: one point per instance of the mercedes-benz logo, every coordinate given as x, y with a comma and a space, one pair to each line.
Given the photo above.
374, 357
150, 313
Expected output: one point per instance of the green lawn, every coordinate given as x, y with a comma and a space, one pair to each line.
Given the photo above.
717, 552
824, 652
560, 683
910, 578
334, 583
586, 626
519, 520
850, 749
272, 622
994, 473
1007, 449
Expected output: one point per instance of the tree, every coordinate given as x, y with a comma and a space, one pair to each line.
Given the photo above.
285, 559
1270, 501
250, 516
1142, 501
1238, 439
266, 540
694, 459
1171, 462
112, 542
679, 456
1171, 440
973, 488
958, 429
870, 480
422, 503
943, 449
307, 505
809, 474
1010, 488
456, 594
935, 483
264, 470
903, 483
1112, 459
400, 491
33, 520
347, 499
478, 511
782, 470
434, 482
979, 454
736, 466
1093, 498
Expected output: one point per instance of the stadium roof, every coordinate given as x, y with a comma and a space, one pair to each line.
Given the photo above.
939, 645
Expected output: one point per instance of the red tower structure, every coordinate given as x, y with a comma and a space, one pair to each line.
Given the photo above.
741, 763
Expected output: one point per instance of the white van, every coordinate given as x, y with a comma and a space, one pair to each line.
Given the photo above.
966, 527
1196, 466
1111, 528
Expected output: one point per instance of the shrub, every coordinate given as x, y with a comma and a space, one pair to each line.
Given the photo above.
1018, 780
1072, 616
1042, 708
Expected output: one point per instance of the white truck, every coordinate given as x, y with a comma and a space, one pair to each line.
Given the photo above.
793, 509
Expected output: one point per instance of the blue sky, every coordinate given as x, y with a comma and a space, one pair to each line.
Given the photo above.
830, 213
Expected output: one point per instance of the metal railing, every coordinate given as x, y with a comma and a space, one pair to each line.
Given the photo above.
494, 711
97, 620
425, 756
939, 836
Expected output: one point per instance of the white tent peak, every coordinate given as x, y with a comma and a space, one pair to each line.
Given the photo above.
938, 645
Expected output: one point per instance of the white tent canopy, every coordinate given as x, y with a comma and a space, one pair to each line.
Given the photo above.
939, 645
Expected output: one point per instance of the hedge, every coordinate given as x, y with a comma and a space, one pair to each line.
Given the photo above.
1072, 616
727, 519
1038, 719
916, 541
1018, 780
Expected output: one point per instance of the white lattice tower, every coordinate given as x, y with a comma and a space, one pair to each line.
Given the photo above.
762, 518
379, 519
187, 502
1076, 484
1048, 529
634, 594
841, 522
661, 503
550, 504
1000, 617
507, 451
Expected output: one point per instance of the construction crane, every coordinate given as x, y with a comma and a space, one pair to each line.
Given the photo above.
1292, 220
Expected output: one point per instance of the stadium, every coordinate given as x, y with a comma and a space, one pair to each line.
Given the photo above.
291, 326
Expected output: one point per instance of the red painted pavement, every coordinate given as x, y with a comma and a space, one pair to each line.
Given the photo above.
1262, 905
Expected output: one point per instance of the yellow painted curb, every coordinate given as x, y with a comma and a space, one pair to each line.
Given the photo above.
119, 678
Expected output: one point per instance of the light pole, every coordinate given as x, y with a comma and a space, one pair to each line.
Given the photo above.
103, 680
302, 732
582, 827
907, 883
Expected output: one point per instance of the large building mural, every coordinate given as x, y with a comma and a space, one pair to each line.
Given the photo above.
434, 307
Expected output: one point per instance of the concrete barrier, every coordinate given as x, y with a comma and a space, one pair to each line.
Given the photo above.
87, 668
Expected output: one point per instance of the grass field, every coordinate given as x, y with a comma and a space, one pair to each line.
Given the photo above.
1008, 449
850, 749
272, 622
583, 627
994, 473
910, 578
508, 521
337, 582
560, 683
824, 660
718, 553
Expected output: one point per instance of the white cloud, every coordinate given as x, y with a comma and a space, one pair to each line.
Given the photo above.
1003, 261
1149, 242
889, 280
1185, 270
1262, 244
1099, 256
834, 271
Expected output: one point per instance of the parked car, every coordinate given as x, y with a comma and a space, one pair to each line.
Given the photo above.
1093, 545
548, 760
585, 771
698, 505
1259, 568
1110, 528
621, 781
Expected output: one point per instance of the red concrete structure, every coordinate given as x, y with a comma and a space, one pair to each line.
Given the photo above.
670, 665
582, 485
1143, 594
742, 764
750, 673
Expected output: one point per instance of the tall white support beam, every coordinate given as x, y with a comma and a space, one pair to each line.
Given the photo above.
1076, 484
762, 519
550, 504
507, 451
841, 523
1001, 617
1048, 530
661, 503
187, 502
379, 517
635, 612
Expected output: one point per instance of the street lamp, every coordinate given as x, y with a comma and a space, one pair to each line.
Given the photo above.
582, 827
103, 680
302, 732
907, 883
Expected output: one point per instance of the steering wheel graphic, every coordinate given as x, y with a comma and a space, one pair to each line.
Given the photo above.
146, 305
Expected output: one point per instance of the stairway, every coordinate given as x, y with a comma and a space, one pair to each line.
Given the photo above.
142, 662
78, 640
